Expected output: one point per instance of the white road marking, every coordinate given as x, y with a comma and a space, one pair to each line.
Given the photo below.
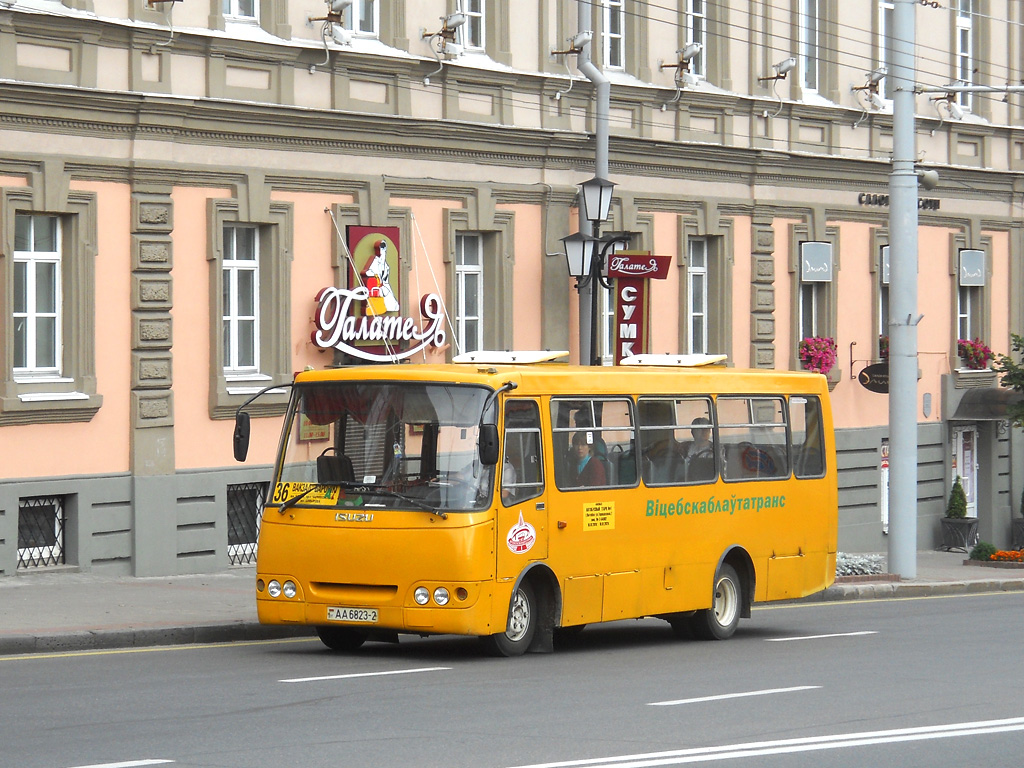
790, 746
363, 674
129, 764
720, 697
818, 637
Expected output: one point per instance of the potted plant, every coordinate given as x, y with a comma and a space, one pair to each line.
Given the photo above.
974, 354
959, 532
818, 353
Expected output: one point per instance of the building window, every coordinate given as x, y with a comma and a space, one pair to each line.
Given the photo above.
250, 307
471, 34
245, 507
885, 42
965, 48
814, 313
40, 531
883, 299
363, 18
970, 294
241, 287
614, 27
809, 43
241, 9
47, 265
605, 324
697, 296
469, 292
37, 295
697, 32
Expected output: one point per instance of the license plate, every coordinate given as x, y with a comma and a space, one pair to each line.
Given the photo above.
359, 615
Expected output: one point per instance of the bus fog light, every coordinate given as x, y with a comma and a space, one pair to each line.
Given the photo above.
461, 593
260, 585
289, 589
274, 588
441, 596
421, 595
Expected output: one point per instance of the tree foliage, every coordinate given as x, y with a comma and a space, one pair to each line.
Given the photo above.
1013, 377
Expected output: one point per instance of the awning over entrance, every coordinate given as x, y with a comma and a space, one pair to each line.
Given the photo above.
985, 404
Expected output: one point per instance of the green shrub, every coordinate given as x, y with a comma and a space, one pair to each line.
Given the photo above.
957, 506
982, 551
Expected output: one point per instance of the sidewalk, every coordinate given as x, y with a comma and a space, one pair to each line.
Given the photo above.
63, 610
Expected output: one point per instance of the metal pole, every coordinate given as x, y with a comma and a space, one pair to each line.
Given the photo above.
903, 316
602, 104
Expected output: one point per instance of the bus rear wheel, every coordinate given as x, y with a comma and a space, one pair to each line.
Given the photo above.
719, 622
522, 624
341, 638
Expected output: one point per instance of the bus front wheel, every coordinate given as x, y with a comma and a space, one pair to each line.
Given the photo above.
720, 620
341, 638
522, 624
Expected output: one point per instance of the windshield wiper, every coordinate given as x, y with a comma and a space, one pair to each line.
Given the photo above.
377, 490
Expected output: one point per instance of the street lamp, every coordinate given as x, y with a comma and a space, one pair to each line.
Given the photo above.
585, 255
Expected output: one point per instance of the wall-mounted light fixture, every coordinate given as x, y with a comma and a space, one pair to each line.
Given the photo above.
782, 69
684, 70
947, 100
442, 42
333, 28
870, 89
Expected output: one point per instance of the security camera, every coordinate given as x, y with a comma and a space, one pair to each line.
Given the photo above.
337, 6
876, 76
454, 20
341, 35
451, 49
876, 101
956, 111
928, 179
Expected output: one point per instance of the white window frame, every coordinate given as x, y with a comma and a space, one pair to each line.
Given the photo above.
473, 34
697, 286
808, 44
968, 303
462, 272
32, 259
883, 292
605, 324
233, 11
886, 13
231, 268
697, 32
361, 13
965, 49
810, 299
613, 28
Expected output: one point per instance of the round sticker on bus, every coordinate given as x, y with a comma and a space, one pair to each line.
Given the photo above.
521, 536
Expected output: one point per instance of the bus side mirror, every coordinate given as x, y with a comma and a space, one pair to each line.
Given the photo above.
488, 444
240, 439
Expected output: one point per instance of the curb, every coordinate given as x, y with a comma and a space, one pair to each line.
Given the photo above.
94, 640
898, 589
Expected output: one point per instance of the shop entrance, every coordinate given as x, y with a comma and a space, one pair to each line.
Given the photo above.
965, 464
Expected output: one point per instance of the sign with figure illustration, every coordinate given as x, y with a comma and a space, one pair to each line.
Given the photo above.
365, 319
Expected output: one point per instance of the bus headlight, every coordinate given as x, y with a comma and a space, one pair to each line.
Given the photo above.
421, 596
274, 588
441, 596
289, 589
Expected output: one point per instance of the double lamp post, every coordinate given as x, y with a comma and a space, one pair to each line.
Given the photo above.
586, 254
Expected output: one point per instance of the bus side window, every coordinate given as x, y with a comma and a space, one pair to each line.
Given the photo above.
522, 475
753, 434
599, 430
808, 450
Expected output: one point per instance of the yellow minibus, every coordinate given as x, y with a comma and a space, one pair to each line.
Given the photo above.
509, 497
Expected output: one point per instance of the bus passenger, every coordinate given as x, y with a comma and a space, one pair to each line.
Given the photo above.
699, 455
589, 468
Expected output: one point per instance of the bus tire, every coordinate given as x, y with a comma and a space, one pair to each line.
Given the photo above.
720, 620
341, 638
522, 624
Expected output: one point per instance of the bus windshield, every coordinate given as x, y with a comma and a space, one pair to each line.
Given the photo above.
374, 444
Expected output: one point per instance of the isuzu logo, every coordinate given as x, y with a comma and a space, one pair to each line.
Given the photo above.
353, 517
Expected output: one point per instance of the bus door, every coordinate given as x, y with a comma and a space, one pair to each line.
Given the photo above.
522, 528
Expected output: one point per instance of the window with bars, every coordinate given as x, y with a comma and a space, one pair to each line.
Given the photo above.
37, 296
245, 509
241, 288
40, 531
469, 291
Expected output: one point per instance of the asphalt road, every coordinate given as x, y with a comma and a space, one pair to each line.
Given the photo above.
919, 682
